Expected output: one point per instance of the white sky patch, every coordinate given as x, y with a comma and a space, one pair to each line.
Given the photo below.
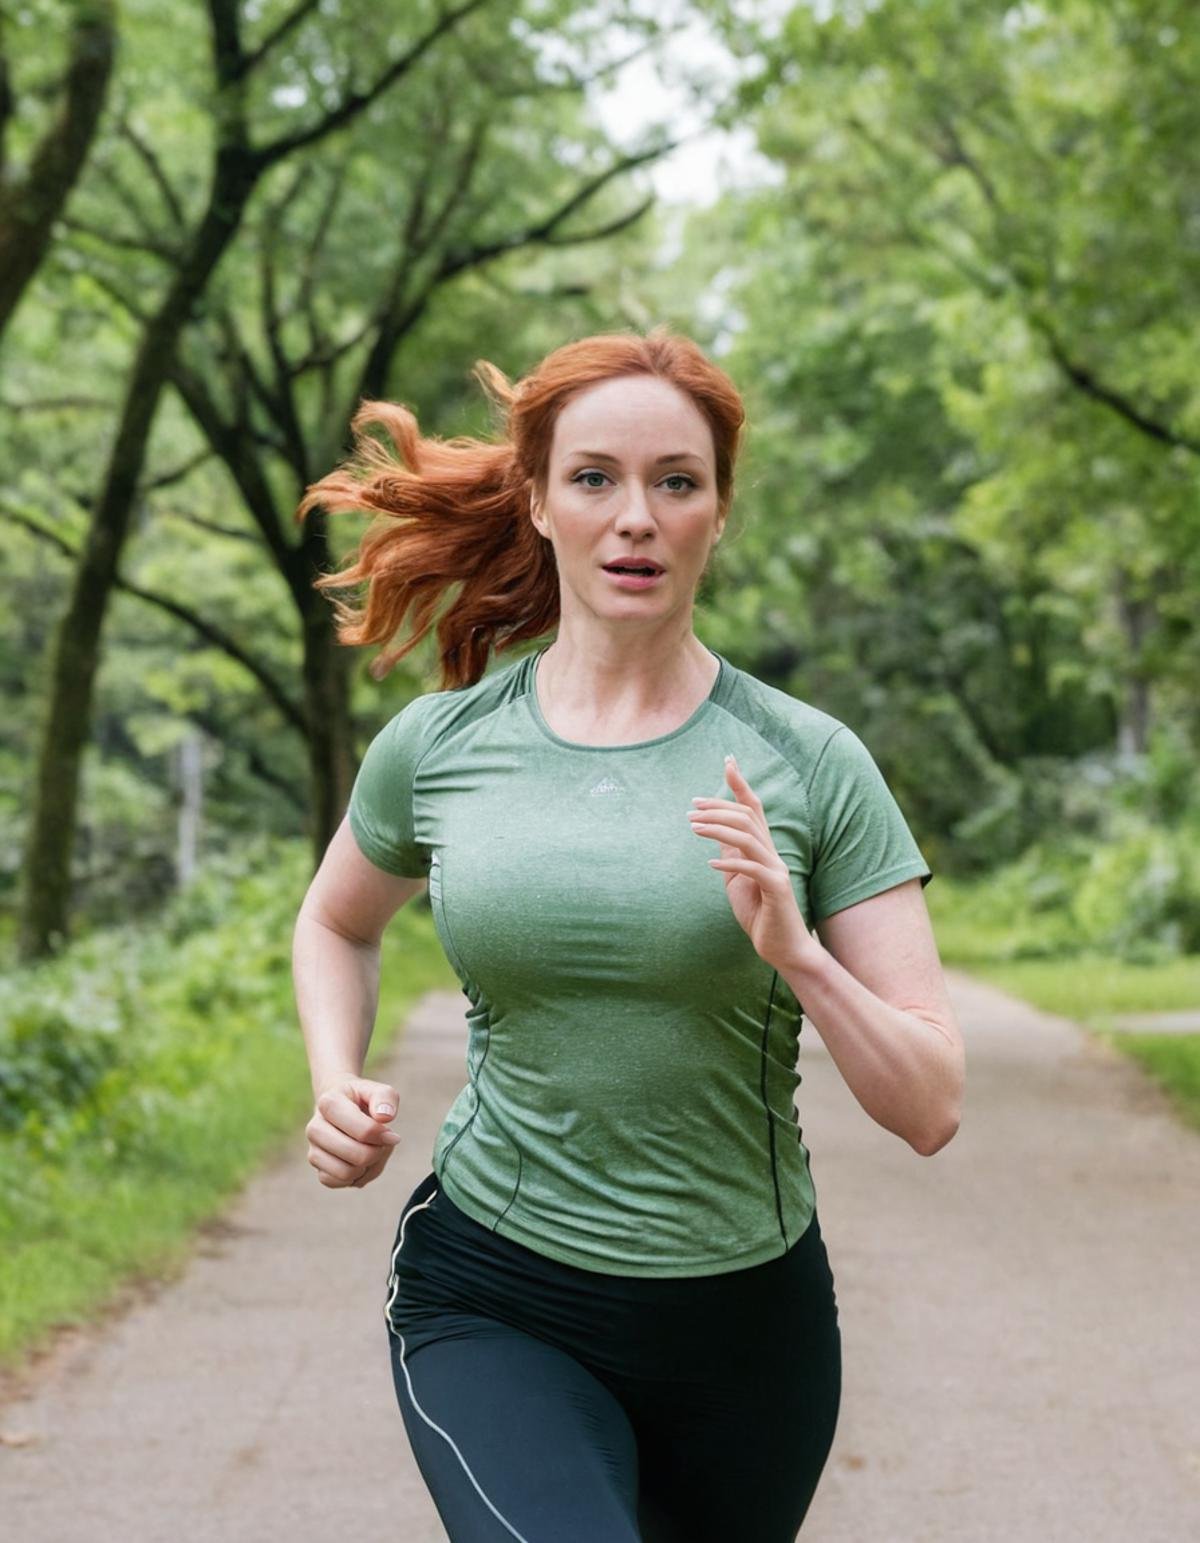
661, 87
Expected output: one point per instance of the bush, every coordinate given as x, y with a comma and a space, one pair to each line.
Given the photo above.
113, 1037
50, 1064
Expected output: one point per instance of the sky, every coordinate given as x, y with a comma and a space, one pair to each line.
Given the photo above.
644, 92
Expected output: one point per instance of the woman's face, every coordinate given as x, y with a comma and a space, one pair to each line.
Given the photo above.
632, 476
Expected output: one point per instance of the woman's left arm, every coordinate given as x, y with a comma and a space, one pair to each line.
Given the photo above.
870, 980
872, 986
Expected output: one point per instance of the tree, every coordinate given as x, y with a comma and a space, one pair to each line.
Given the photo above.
981, 420
269, 411
237, 163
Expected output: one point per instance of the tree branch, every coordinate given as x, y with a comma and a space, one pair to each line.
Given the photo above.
1091, 385
214, 527
1036, 312
57, 404
157, 171
220, 732
128, 200
29, 205
276, 35
357, 101
113, 289
167, 479
544, 231
539, 86
291, 711
231, 441
159, 249
228, 56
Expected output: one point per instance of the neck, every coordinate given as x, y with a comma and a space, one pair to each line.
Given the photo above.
624, 677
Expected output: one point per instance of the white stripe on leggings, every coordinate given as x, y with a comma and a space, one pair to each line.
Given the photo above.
394, 1282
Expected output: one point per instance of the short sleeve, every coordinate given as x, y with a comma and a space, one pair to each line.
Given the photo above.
861, 840
380, 811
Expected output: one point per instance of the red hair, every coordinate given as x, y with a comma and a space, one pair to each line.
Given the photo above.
457, 510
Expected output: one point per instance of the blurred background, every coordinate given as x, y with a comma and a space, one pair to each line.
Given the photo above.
951, 256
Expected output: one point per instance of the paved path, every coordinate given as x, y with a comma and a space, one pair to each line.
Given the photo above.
1021, 1338
1158, 1023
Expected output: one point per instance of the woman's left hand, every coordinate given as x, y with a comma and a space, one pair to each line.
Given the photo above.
757, 880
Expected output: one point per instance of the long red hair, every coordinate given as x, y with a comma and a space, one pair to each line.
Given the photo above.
457, 510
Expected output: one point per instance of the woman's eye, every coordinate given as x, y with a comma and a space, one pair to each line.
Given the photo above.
675, 476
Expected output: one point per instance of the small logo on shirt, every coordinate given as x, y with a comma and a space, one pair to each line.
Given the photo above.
607, 785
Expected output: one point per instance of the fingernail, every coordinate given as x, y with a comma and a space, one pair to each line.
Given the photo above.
385, 1109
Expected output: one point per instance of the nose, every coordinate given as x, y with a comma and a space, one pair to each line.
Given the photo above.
635, 517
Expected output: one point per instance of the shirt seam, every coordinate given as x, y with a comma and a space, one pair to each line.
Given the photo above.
778, 718
439, 739
812, 776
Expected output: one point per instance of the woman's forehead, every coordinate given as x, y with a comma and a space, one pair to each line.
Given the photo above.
639, 418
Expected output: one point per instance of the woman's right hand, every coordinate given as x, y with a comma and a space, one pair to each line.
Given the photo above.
348, 1139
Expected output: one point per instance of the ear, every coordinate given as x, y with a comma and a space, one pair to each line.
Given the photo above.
535, 514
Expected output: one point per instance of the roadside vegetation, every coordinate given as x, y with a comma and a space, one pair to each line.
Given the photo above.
148, 1071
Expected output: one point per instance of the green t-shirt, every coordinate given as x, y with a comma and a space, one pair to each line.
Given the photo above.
631, 1061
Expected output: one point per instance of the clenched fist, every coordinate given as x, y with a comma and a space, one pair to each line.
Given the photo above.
348, 1139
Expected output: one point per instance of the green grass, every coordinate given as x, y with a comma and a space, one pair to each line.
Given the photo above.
1086, 986
1090, 987
215, 1082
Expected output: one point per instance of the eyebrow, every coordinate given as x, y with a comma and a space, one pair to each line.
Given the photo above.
672, 455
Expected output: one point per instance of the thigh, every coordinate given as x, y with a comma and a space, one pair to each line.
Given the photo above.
514, 1438
738, 1461
734, 1445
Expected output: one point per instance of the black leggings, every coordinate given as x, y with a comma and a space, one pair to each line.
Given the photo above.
553, 1404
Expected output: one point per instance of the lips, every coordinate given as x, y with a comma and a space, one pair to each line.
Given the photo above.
644, 565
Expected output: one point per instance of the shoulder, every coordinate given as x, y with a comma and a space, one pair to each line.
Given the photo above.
797, 730
434, 716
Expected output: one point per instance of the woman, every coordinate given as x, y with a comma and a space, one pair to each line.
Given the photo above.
609, 1306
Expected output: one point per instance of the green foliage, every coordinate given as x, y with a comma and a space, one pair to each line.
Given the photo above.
964, 311
130, 1031
145, 1073
455, 219
1142, 895
50, 1066
978, 928
1133, 895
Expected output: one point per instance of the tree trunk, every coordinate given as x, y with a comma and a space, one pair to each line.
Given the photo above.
1136, 614
30, 206
326, 672
189, 762
75, 648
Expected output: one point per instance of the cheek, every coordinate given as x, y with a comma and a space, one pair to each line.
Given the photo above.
575, 528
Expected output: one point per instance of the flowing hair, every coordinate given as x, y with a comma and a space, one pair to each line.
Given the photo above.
458, 510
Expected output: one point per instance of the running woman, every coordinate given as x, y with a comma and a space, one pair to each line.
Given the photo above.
608, 1304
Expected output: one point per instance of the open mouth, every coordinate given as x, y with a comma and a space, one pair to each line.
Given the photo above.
645, 572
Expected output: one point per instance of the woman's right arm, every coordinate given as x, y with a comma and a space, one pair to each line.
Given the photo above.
335, 975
